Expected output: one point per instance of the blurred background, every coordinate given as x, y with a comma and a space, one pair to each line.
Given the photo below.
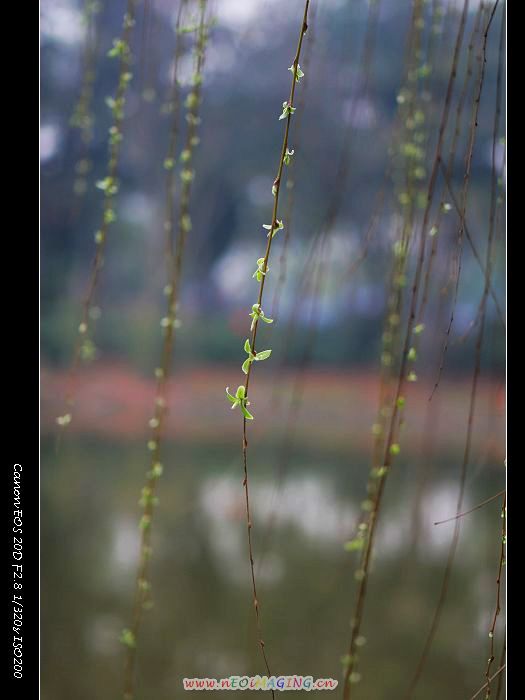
315, 400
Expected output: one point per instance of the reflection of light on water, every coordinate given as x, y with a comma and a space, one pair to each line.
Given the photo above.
125, 544
308, 503
220, 499
218, 662
438, 504
102, 634
393, 534
395, 529
312, 505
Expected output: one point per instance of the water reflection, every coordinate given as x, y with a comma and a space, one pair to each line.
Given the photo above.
202, 622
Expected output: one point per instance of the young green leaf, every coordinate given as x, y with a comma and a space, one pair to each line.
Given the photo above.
279, 227
287, 110
231, 398
287, 156
260, 271
354, 545
239, 394
119, 48
240, 400
127, 638
246, 412
298, 73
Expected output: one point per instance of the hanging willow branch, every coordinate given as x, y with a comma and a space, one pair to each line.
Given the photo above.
465, 190
109, 185
316, 267
497, 607
82, 117
292, 166
240, 398
391, 445
442, 209
483, 305
169, 323
411, 120
473, 396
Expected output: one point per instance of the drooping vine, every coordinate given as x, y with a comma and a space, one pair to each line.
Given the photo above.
176, 232
497, 607
482, 310
391, 443
436, 233
408, 148
443, 208
474, 386
316, 267
120, 51
83, 117
240, 398
419, 166
290, 161
466, 183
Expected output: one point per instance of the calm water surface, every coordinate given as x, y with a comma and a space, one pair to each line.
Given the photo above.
202, 621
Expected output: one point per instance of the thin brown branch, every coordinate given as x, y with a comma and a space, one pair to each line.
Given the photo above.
451, 158
290, 183
492, 233
470, 423
175, 258
470, 240
357, 617
315, 267
108, 215
501, 666
497, 607
465, 191
480, 690
273, 226
471, 510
